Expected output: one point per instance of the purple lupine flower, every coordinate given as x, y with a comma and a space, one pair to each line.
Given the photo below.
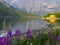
29, 35
9, 33
6, 41
58, 38
17, 33
2, 42
51, 35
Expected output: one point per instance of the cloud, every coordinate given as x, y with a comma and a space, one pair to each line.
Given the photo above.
52, 5
44, 3
13, 1
49, 6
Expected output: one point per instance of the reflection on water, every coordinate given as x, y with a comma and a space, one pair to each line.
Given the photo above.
34, 24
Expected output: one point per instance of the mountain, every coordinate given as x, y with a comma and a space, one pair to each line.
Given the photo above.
39, 7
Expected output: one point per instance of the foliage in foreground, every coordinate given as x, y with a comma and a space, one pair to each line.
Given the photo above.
40, 38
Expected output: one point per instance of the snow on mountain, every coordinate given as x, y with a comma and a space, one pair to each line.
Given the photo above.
36, 6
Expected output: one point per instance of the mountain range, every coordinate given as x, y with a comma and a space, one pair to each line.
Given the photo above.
39, 7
